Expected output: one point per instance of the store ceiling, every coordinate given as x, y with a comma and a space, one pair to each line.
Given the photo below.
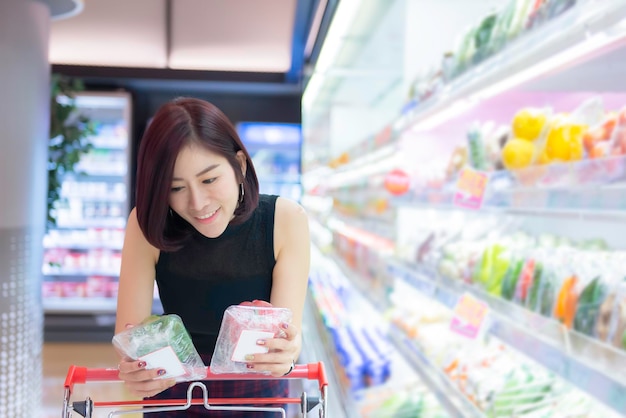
210, 37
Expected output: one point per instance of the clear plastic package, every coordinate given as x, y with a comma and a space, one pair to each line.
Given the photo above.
241, 327
162, 342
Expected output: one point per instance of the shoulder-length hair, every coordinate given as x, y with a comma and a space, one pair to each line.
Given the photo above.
176, 124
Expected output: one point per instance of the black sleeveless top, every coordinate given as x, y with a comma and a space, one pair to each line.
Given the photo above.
199, 281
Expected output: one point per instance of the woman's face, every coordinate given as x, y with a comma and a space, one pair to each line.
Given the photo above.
205, 190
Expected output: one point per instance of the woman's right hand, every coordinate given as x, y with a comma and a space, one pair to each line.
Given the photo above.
140, 381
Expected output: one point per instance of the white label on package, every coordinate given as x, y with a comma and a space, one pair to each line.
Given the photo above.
164, 358
247, 344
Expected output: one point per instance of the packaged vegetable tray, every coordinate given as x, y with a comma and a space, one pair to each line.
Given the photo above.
162, 342
242, 326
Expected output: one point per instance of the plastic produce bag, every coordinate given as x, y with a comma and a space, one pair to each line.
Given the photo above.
163, 342
241, 327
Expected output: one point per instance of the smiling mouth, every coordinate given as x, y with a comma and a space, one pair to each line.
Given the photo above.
207, 216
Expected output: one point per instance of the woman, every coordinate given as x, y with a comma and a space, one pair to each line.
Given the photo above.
203, 232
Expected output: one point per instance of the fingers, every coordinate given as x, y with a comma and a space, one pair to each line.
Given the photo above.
287, 331
257, 303
282, 352
275, 364
141, 381
150, 388
129, 366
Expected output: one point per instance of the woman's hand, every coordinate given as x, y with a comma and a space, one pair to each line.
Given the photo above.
140, 381
282, 354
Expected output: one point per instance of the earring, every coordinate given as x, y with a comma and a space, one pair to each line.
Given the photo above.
170, 212
242, 192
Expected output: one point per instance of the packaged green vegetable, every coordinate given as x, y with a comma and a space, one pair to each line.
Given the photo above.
589, 303
162, 342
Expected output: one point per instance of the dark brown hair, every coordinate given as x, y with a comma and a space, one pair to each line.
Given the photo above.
176, 124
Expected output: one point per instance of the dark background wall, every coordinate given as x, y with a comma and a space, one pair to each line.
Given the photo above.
238, 107
245, 97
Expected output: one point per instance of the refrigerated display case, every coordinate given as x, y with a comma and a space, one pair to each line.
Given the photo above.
82, 252
275, 152
482, 245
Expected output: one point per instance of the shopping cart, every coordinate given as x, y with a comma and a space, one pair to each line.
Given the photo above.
311, 371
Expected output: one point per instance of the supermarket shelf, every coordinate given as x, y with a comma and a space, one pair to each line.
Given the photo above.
104, 172
594, 202
588, 189
118, 222
589, 28
109, 143
280, 178
318, 348
79, 305
85, 245
585, 32
454, 402
87, 305
384, 229
80, 272
450, 397
583, 214
94, 198
84, 177
589, 364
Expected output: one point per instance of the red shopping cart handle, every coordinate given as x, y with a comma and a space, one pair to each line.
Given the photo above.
311, 371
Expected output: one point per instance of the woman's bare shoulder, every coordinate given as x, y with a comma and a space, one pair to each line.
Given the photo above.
290, 224
288, 211
136, 239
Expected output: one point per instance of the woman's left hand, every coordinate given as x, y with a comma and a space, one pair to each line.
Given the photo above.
283, 352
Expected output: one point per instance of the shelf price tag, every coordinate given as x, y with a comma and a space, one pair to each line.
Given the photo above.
469, 316
470, 188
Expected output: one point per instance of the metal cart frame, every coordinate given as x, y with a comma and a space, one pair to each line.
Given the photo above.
311, 371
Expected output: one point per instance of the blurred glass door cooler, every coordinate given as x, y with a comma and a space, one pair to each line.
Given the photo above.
82, 252
275, 149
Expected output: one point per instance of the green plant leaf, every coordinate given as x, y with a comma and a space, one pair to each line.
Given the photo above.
69, 137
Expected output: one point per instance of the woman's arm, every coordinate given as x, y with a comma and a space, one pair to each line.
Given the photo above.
136, 285
292, 247
289, 284
134, 304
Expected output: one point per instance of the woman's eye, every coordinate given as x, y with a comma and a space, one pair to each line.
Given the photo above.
209, 181
176, 189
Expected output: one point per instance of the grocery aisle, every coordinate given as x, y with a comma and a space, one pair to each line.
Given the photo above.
468, 205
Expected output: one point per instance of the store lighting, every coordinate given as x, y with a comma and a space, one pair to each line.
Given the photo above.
315, 27
64, 9
339, 27
455, 109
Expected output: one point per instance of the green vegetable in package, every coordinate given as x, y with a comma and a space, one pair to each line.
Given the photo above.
493, 267
483, 36
589, 303
163, 342
542, 292
499, 36
509, 282
522, 390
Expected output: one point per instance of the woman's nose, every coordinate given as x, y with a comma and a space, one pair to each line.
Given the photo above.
196, 199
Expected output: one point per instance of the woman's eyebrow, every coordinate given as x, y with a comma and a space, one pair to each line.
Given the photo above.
206, 170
